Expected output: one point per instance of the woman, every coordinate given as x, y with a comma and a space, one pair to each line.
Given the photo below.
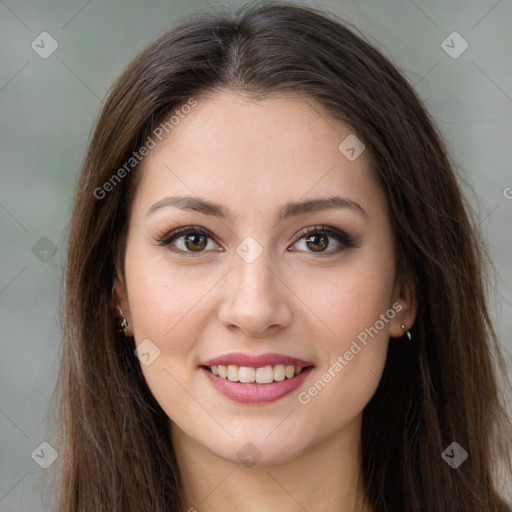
274, 294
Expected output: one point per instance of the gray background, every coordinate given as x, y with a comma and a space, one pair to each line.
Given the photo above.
47, 110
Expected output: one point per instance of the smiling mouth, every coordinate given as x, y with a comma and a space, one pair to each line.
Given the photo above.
250, 375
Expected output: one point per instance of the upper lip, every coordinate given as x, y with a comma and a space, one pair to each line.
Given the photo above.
240, 359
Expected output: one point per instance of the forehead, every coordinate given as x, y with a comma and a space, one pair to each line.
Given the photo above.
230, 147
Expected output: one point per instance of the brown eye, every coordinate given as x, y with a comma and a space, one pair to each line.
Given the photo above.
191, 240
195, 242
317, 243
324, 241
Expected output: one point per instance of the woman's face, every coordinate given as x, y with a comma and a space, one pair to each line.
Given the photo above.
252, 285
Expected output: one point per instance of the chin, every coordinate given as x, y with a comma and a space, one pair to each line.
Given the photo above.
259, 446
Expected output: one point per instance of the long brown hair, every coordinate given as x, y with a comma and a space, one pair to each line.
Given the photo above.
115, 449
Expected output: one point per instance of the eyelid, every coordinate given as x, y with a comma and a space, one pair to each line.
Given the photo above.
169, 236
166, 238
340, 235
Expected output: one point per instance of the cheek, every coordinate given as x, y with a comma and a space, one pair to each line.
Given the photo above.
350, 298
353, 314
168, 308
165, 302
173, 318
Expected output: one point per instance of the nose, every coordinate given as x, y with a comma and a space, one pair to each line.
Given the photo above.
256, 300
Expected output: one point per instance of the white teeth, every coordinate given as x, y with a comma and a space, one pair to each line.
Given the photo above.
262, 375
279, 372
223, 371
232, 372
246, 374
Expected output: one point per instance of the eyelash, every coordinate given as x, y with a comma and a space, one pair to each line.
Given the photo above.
178, 233
341, 237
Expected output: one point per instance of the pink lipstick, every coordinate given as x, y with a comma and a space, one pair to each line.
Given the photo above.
252, 379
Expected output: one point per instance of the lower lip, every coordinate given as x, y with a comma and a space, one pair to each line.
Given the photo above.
257, 393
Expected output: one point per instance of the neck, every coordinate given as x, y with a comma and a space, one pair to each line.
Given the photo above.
326, 477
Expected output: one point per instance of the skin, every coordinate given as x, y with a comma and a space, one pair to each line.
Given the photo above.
253, 157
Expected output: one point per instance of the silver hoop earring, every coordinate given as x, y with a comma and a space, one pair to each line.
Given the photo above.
407, 332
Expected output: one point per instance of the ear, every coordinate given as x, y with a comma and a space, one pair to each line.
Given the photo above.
404, 294
120, 304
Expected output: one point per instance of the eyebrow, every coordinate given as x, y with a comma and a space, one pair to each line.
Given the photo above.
291, 209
